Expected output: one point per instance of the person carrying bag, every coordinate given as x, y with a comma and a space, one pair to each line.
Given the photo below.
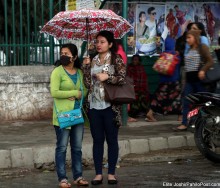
71, 117
67, 90
105, 117
195, 71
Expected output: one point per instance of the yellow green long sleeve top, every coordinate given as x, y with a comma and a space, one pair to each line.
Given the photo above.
62, 88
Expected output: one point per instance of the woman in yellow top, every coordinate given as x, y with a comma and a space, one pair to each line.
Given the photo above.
66, 80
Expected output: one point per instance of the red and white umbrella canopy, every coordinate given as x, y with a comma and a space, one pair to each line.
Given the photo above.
85, 24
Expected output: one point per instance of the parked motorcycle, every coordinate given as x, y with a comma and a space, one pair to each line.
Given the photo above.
204, 121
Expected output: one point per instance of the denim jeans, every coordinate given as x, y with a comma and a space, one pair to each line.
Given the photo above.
188, 89
102, 125
75, 134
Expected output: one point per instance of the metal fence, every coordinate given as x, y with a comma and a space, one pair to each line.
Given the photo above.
20, 40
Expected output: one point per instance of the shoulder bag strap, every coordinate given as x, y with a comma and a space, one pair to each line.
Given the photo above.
81, 88
55, 107
201, 55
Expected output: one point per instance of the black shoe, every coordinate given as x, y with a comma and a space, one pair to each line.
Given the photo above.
96, 182
112, 181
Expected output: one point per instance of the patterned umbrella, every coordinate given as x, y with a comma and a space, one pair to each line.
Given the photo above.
85, 24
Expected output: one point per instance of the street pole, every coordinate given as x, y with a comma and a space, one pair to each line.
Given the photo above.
51, 38
125, 15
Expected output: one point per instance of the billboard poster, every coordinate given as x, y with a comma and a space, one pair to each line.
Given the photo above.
178, 16
117, 8
97, 3
70, 5
209, 15
130, 34
150, 28
80, 4
153, 22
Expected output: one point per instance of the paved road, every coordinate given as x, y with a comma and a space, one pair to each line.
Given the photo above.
187, 171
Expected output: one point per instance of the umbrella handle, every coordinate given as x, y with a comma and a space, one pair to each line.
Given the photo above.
87, 35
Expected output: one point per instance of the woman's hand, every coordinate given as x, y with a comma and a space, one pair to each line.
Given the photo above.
72, 98
79, 95
201, 75
102, 76
86, 61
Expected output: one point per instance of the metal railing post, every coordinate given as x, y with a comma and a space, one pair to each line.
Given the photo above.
124, 14
6, 30
42, 35
13, 32
28, 32
35, 30
21, 59
51, 38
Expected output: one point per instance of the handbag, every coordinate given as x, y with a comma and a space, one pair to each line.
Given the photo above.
166, 64
213, 74
71, 117
120, 94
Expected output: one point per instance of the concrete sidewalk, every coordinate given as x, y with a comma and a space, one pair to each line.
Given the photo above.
27, 143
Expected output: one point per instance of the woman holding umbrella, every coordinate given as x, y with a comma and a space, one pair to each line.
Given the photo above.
105, 118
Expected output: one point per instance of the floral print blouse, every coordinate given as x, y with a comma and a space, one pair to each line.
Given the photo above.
116, 77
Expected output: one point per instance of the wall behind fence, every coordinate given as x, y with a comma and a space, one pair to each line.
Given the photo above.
25, 93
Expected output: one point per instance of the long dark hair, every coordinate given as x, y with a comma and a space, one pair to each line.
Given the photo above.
202, 28
140, 14
74, 51
118, 42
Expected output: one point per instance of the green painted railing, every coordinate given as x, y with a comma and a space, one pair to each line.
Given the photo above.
20, 40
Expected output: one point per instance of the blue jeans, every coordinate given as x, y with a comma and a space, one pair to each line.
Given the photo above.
102, 125
188, 89
76, 136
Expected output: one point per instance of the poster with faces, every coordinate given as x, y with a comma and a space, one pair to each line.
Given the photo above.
155, 22
178, 16
150, 28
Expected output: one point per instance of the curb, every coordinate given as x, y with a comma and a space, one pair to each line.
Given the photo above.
29, 157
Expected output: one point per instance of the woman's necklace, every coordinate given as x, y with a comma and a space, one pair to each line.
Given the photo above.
102, 61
